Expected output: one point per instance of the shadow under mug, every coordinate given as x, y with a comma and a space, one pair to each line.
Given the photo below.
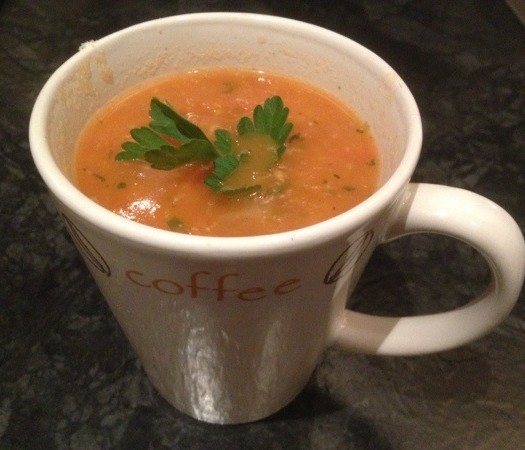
229, 330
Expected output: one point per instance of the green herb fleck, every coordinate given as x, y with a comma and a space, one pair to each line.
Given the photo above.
295, 137
363, 128
228, 87
348, 188
372, 162
175, 224
121, 185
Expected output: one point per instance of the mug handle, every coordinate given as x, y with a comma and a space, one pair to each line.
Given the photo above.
472, 219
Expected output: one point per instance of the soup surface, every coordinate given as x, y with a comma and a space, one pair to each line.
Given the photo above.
330, 163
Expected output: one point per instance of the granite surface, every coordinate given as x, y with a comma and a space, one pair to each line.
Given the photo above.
68, 378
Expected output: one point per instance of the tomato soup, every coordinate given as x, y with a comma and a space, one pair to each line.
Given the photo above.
330, 163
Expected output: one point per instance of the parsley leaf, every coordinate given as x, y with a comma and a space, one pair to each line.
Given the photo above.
269, 118
225, 165
145, 139
224, 141
151, 146
241, 164
260, 144
168, 157
167, 121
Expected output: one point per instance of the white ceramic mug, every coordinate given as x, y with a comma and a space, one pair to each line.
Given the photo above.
229, 330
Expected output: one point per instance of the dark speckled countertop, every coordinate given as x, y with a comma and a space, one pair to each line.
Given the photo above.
68, 378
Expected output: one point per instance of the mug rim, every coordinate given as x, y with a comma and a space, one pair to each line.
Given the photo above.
164, 240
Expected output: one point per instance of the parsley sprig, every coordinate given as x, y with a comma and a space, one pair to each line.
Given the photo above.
237, 166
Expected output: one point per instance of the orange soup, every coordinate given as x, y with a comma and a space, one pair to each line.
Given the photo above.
330, 163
